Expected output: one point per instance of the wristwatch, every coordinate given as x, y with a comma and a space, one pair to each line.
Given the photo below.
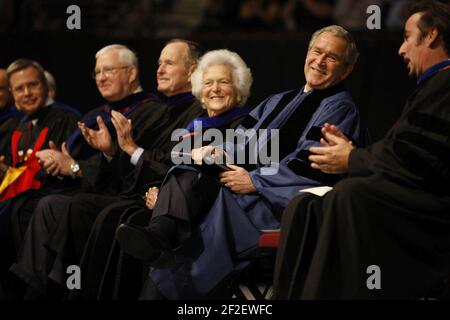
75, 168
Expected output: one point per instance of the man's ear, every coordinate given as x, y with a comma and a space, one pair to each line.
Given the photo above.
192, 69
432, 38
133, 74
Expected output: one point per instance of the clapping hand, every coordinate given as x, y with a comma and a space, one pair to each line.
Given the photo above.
124, 131
98, 139
332, 156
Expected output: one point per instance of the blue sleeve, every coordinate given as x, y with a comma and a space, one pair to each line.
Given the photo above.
281, 187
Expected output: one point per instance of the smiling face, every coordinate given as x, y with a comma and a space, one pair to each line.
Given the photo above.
114, 79
174, 72
413, 47
29, 91
218, 91
325, 65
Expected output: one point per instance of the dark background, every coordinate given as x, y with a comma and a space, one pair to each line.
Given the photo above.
379, 82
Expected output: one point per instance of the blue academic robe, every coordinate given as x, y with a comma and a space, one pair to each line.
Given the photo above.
232, 227
8, 113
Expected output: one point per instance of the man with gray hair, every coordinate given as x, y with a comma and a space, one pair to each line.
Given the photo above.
209, 239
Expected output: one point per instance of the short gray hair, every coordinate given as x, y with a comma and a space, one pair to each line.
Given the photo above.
241, 74
50, 80
351, 53
126, 55
193, 52
22, 64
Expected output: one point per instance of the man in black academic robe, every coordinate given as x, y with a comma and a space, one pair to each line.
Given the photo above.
122, 169
382, 233
39, 125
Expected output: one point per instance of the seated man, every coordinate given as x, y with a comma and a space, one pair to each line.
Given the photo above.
20, 172
40, 124
384, 232
206, 226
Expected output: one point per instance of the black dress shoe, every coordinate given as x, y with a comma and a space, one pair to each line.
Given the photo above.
143, 244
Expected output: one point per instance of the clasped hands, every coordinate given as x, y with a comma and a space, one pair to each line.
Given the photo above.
332, 156
237, 179
57, 162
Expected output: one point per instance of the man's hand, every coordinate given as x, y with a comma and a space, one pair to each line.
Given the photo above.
124, 131
98, 139
151, 196
332, 129
332, 156
238, 179
55, 162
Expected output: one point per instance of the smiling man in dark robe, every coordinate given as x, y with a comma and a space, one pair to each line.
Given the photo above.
40, 123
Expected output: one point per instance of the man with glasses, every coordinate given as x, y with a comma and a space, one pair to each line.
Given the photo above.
19, 169
41, 124
120, 173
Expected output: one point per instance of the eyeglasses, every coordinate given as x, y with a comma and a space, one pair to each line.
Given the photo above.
34, 85
106, 71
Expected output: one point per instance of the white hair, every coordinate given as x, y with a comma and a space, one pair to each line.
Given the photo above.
50, 80
126, 55
241, 74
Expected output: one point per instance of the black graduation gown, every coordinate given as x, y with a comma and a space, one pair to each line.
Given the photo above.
392, 213
78, 212
60, 123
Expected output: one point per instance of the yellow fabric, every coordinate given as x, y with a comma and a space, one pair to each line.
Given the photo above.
10, 176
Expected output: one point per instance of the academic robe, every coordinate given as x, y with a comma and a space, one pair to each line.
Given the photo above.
9, 112
9, 119
55, 215
231, 228
52, 124
382, 233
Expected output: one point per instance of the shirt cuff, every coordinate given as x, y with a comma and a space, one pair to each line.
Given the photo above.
136, 156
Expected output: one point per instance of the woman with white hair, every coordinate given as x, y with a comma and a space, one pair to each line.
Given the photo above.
222, 83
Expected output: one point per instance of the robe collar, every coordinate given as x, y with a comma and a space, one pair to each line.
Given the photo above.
178, 99
41, 112
129, 101
219, 120
434, 69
